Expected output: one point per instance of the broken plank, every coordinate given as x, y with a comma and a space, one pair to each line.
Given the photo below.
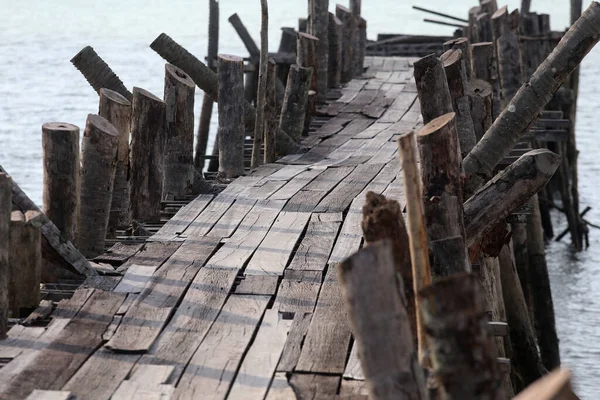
230, 221
314, 249
377, 107
293, 344
353, 368
298, 291
351, 91
180, 221
314, 386
135, 279
258, 285
308, 198
351, 387
119, 253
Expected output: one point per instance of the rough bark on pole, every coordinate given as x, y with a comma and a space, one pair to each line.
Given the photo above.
488, 6
417, 234
508, 54
146, 156
541, 292
295, 101
485, 68
179, 133
231, 117
319, 27
525, 107
480, 96
116, 109
251, 87
25, 261
336, 43
383, 220
5, 214
442, 196
525, 6
507, 191
463, 45
457, 84
380, 324
461, 350
345, 16
98, 73
261, 99
554, 386
525, 359
98, 163
432, 87
483, 23
60, 142
271, 120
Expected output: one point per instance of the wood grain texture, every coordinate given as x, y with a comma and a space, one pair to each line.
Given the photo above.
260, 285
314, 249
135, 279
298, 291
49, 395
314, 386
229, 222
310, 196
180, 221
293, 344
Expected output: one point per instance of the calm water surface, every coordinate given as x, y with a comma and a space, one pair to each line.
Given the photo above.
38, 84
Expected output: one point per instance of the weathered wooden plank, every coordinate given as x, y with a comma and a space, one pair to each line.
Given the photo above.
19, 339
328, 339
372, 130
230, 221
314, 386
295, 185
106, 283
364, 98
280, 388
211, 215
399, 107
257, 369
332, 126
293, 344
136, 278
146, 317
308, 198
378, 106
274, 252
314, 249
286, 173
262, 189
351, 387
258, 285
350, 237
345, 151
119, 253
49, 395
353, 368
180, 221
55, 364
147, 382
351, 90
298, 291
153, 253
213, 366
385, 154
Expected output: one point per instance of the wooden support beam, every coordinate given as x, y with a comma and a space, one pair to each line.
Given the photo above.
5, 217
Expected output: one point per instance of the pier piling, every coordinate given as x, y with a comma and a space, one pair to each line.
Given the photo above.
5, 217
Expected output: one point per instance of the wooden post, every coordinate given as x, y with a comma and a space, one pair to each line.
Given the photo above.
307, 55
362, 45
146, 156
98, 164
462, 352
518, 232
261, 99
457, 84
554, 386
383, 220
525, 6
98, 73
302, 25
311, 105
5, 211
508, 54
289, 39
345, 16
507, 191
442, 196
480, 96
318, 25
179, 133
251, 87
336, 43
463, 45
60, 142
355, 10
380, 324
432, 87
295, 101
483, 24
25, 261
271, 118
231, 116
417, 235
525, 107
485, 68
116, 109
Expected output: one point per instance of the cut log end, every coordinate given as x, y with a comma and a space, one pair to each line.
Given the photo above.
546, 161
451, 57
231, 58
436, 124
308, 36
179, 75
114, 97
59, 127
101, 125
144, 93
501, 13
479, 87
555, 385
426, 62
83, 53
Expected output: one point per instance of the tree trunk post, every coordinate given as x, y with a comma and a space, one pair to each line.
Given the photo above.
295, 101
463, 45
508, 54
288, 43
311, 106
480, 96
355, 10
432, 87
98, 164
380, 324
231, 117
5, 214
98, 73
485, 67
146, 156
179, 133
417, 235
345, 16
251, 87
60, 142
271, 120
362, 45
442, 197
116, 109
462, 352
518, 231
336, 43
307, 55
261, 99
318, 25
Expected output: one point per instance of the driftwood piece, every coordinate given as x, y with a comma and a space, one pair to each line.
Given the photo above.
116, 109
336, 43
295, 101
480, 96
231, 116
462, 352
345, 16
271, 117
60, 142
417, 233
97, 72
98, 164
5, 216
442, 196
377, 311
179, 133
533, 96
507, 191
432, 87
261, 97
146, 156
318, 26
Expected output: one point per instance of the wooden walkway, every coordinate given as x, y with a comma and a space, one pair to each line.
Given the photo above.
237, 295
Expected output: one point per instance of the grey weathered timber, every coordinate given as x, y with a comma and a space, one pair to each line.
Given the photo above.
119, 253
261, 96
49, 395
135, 279
295, 101
345, 16
380, 323
483, 23
258, 285
336, 43
5, 221
485, 67
146, 156
306, 56
355, 22
293, 345
116, 109
442, 196
462, 44
251, 86
178, 153
280, 389
180, 221
314, 249
271, 115
230, 220
25, 261
231, 116
298, 293
97, 72
309, 197
318, 26
462, 352
206, 111
60, 143
432, 87
508, 55
362, 45
480, 95
98, 165
507, 191
314, 386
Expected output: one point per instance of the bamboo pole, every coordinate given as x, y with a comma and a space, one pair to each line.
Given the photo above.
271, 118
417, 235
261, 100
318, 26
5, 213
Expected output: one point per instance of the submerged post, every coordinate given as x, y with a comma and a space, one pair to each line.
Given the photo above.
5, 211
98, 163
60, 143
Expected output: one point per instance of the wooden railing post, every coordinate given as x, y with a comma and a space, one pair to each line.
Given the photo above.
5, 213
485, 67
432, 87
251, 80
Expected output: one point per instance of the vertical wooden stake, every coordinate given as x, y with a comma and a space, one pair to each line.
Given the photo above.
251, 77
261, 100
5, 211
307, 55
417, 235
462, 44
480, 96
293, 112
98, 164
336, 44
355, 10
345, 16
432, 87
319, 28
271, 120
483, 58
60, 142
